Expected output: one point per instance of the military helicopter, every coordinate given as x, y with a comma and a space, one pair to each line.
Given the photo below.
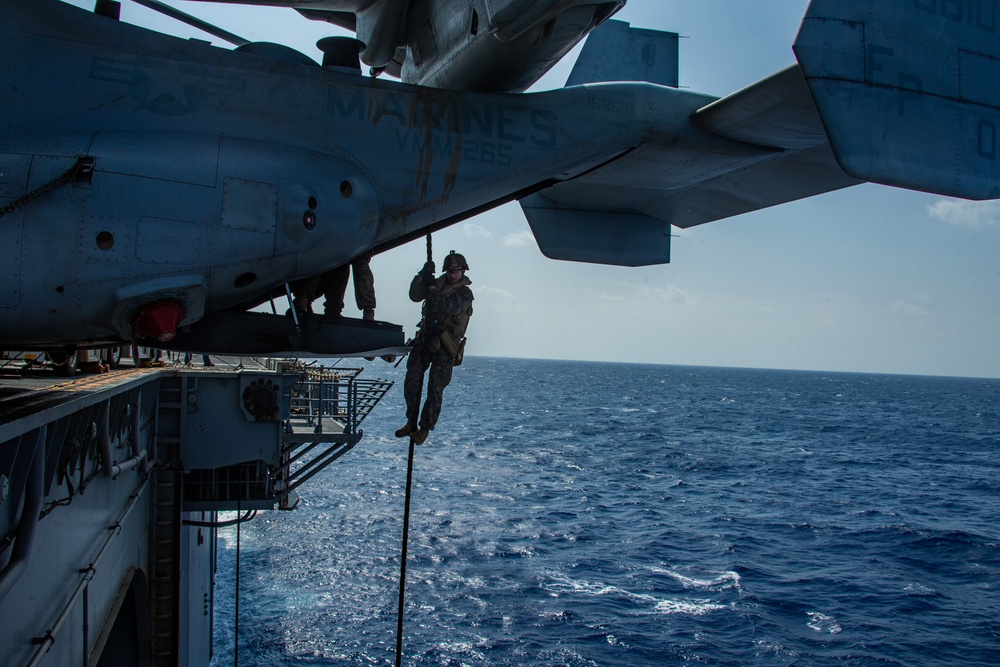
153, 190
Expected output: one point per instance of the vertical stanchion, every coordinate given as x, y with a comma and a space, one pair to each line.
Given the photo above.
239, 522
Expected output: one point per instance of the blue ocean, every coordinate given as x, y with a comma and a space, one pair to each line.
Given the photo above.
597, 514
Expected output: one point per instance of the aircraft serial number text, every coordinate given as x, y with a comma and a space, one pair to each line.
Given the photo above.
981, 14
612, 105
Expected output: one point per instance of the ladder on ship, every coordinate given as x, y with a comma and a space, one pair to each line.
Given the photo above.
167, 496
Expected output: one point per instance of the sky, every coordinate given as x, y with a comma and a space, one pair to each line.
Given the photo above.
867, 279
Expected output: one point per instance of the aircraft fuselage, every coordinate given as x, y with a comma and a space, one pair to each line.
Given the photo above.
219, 175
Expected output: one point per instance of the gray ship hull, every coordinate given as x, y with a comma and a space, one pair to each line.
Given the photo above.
110, 488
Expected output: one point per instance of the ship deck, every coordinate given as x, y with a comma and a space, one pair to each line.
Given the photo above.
38, 390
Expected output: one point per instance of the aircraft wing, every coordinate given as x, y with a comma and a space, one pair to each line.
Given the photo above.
894, 92
761, 146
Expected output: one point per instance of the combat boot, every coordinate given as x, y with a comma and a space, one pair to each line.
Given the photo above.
409, 428
419, 437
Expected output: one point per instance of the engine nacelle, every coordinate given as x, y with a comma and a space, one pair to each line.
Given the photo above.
494, 45
477, 45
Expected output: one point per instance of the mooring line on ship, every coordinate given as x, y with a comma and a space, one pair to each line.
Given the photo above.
402, 560
236, 615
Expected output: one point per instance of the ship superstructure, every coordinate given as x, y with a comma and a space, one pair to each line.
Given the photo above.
110, 488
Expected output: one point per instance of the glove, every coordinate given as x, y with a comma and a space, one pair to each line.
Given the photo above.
428, 268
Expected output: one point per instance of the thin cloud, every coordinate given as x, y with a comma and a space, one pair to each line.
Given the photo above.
968, 214
494, 291
672, 294
475, 231
604, 296
666, 292
909, 308
519, 239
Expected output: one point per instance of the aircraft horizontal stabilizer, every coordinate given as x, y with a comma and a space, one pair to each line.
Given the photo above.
908, 91
616, 52
777, 112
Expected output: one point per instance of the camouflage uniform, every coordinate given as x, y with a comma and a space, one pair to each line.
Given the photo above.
364, 286
447, 307
333, 285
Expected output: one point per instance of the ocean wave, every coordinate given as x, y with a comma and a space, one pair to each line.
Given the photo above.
722, 581
688, 607
822, 623
560, 584
789, 527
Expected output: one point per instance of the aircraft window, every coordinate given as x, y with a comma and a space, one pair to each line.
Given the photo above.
346, 189
105, 241
312, 202
244, 279
475, 23
60, 289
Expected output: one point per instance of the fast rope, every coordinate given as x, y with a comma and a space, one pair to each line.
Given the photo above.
406, 524
402, 558
430, 258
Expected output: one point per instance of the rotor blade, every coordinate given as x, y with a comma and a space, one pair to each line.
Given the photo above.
193, 21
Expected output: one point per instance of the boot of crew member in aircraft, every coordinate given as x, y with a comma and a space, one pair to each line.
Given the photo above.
303, 294
439, 343
364, 287
206, 360
332, 284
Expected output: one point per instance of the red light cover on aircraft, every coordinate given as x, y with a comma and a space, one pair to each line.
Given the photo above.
159, 320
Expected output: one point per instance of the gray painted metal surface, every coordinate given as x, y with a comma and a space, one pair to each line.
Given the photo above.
907, 90
470, 45
219, 176
618, 52
136, 168
109, 489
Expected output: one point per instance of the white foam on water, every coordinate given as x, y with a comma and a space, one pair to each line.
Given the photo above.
919, 590
563, 584
722, 580
823, 623
688, 607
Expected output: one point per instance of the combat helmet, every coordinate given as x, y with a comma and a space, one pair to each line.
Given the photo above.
455, 261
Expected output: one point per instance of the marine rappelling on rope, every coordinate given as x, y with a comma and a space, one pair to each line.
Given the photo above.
439, 341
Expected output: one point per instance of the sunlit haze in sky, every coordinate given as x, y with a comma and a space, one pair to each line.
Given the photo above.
871, 278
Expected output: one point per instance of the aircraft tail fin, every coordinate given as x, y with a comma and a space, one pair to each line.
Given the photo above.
907, 91
617, 52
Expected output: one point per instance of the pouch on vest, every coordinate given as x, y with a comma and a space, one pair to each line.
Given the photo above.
457, 352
